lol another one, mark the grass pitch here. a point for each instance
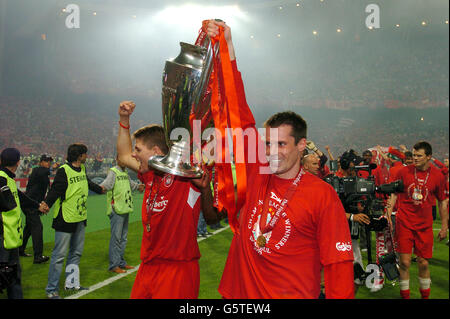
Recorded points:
(214, 250)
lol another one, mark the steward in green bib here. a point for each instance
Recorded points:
(119, 204)
(73, 207)
(11, 227)
(120, 196)
(69, 193)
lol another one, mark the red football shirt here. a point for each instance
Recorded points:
(312, 232)
(381, 174)
(324, 172)
(417, 214)
(171, 217)
(393, 171)
(339, 173)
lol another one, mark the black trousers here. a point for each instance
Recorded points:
(33, 228)
(10, 257)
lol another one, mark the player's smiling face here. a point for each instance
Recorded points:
(282, 152)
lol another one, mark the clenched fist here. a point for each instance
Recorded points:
(126, 108)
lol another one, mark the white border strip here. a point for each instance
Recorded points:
(120, 276)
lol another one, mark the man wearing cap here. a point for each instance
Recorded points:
(11, 231)
(37, 186)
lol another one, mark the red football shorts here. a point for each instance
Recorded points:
(167, 280)
(420, 240)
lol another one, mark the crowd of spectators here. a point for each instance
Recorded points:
(37, 126)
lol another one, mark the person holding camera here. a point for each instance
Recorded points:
(348, 161)
(11, 229)
(414, 219)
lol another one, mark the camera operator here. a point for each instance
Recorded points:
(348, 161)
(383, 238)
(414, 224)
(366, 160)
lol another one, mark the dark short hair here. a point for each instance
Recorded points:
(46, 158)
(152, 135)
(367, 152)
(349, 157)
(9, 157)
(422, 145)
(298, 124)
(75, 150)
(408, 154)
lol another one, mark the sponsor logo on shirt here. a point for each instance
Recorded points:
(160, 205)
(343, 246)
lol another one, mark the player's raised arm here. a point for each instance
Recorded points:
(124, 144)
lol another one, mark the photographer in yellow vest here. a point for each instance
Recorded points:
(69, 193)
(119, 204)
(11, 226)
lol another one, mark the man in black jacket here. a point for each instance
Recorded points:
(37, 186)
(69, 193)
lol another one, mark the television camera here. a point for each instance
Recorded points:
(362, 195)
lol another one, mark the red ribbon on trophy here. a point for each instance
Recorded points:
(225, 113)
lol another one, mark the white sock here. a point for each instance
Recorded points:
(404, 284)
(424, 283)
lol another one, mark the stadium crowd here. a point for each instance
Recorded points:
(342, 130)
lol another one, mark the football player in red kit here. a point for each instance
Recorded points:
(170, 212)
(414, 220)
(292, 224)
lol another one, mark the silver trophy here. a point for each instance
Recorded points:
(184, 98)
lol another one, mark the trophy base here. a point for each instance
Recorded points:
(164, 164)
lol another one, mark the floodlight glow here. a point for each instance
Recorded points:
(191, 15)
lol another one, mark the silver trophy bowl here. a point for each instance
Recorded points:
(184, 83)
